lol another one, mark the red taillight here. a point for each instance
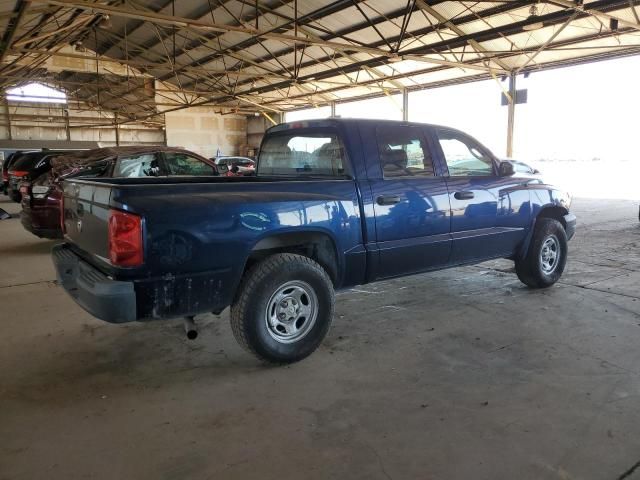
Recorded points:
(125, 239)
(18, 173)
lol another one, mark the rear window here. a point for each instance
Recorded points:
(26, 162)
(35, 160)
(300, 154)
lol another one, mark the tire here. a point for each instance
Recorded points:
(537, 269)
(283, 308)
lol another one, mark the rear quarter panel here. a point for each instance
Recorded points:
(207, 227)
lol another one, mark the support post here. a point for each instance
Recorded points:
(115, 120)
(333, 109)
(66, 124)
(512, 114)
(405, 105)
(164, 130)
(6, 107)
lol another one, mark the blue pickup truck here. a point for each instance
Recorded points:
(335, 203)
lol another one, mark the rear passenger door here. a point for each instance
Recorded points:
(411, 203)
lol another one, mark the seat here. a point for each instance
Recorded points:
(329, 157)
(394, 163)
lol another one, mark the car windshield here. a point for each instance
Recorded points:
(302, 154)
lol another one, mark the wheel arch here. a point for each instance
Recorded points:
(319, 245)
(555, 212)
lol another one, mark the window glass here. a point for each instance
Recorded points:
(183, 164)
(465, 157)
(522, 167)
(302, 154)
(403, 152)
(145, 165)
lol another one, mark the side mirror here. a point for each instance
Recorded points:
(506, 169)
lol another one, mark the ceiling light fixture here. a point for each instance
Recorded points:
(533, 15)
(105, 22)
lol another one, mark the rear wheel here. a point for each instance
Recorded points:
(545, 260)
(283, 309)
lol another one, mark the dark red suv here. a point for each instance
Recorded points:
(41, 197)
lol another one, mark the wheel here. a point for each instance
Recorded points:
(283, 308)
(547, 255)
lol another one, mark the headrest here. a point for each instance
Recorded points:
(394, 158)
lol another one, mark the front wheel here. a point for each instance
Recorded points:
(283, 309)
(545, 260)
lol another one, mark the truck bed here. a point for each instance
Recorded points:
(198, 231)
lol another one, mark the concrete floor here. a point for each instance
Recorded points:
(453, 375)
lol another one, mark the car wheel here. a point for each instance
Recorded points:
(545, 260)
(283, 308)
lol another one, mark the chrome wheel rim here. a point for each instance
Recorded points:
(550, 254)
(291, 312)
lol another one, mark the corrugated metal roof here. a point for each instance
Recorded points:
(295, 53)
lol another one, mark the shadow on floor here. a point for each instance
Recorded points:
(44, 246)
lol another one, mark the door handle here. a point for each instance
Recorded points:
(463, 195)
(388, 199)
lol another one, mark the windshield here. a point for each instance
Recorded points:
(302, 154)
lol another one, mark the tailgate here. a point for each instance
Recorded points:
(86, 216)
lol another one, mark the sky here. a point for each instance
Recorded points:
(582, 112)
(36, 92)
(580, 127)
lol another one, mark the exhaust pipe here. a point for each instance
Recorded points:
(190, 328)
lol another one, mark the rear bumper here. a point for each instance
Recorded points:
(116, 301)
(106, 299)
(570, 222)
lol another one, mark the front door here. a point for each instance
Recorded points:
(477, 194)
(411, 203)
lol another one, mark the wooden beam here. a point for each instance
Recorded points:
(12, 28)
(150, 65)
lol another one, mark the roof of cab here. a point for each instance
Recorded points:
(335, 121)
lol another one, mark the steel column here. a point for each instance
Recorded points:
(115, 121)
(512, 114)
(405, 105)
(66, 123)
(6, 106)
